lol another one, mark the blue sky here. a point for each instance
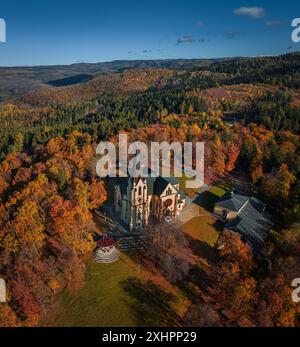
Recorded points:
(64, 32)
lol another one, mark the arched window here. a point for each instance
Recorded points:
(140, 190)
(169, 191)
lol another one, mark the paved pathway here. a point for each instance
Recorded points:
(191, 210)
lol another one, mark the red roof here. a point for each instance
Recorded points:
(105, 242)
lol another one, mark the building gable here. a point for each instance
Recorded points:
(169, 190)
(137, 199)
(162, 184)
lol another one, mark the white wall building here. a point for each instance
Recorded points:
(138, 199)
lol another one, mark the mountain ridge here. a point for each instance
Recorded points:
(17, 81)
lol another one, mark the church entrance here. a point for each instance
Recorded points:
(167, 208)
(168, 213)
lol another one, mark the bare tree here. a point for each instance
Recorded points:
(169, 250)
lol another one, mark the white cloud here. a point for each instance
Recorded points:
(274, 23)
(186, 39)
(253, 12)
(190, 39)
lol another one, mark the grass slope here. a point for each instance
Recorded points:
(101, 302)
(118, 295)
(121, 294)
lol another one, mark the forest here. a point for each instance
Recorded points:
(48, 185)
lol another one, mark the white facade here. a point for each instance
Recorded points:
(136, 200)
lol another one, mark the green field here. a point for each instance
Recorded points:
(202, 229)
(117, 294)
(218, 191)
(208, 198)
(182, 184)
(101, 302)
(120, 294)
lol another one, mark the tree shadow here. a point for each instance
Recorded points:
(190, 286)
(109, 184)
(218, 225)
(198, 283)
(206, 200)
(151, 306)
(204, 250)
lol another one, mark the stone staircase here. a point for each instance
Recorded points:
(131, 244)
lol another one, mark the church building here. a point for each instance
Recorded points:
(136, 200)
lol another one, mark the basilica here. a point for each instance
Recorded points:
(137, 200)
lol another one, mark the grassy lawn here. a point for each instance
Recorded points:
(208, 198)
(118, 294)
(202, 229)
(182, 184)
(101, 302)
(219, 191)
(121, 294)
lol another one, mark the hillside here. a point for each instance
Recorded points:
(121, 83)
(15, 81)
(250, 124)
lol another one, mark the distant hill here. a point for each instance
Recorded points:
(16, 81)
(109, 84)
(62, 82)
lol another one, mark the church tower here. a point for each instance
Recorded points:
(139, 203)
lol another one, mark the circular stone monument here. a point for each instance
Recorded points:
(106, 252)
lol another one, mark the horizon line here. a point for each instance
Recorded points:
(149, 60)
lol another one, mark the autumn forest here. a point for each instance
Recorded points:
(245, 110)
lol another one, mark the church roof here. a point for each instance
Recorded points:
(172, 180)
(232, 202)
(252, 222)
(155, 185)
(161, 184)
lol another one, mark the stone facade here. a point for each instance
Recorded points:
(138, 199)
